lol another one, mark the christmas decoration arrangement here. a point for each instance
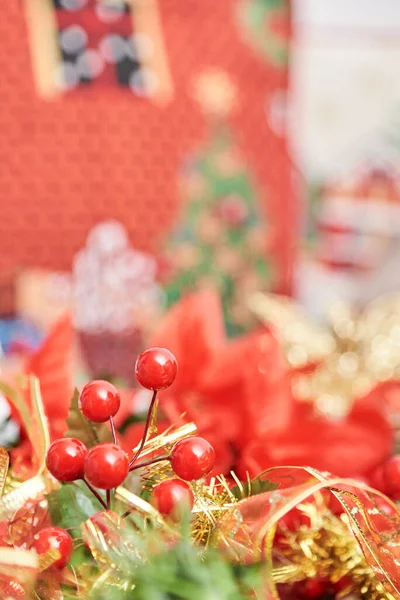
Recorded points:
(199, 503)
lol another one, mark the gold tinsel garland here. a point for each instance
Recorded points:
(356, 351)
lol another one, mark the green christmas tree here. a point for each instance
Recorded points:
(265, 24)
(221, 238)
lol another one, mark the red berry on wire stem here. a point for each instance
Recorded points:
(106, 466)
(99, 400)
(54, 538)
(171, 497)
(192, 458)
(65, 459)
(156, 368)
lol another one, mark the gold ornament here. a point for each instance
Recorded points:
(345, 361)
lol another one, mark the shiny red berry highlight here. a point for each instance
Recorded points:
(106, 466)
(54, 538)
(192, 458)
(156, 368)
(65, 459)
(99, 400)
(171, 497)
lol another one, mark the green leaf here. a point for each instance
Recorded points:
(253, 487)
(84, 430)
(71, 505)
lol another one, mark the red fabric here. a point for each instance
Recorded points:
(94, 154)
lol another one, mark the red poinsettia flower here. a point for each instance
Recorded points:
(351, 447)
(52, 364)
(239, 395)
(232, 389)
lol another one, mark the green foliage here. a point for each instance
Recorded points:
(181, 572)
(221, 174)
(146, 564)
(256, 19)
(79, 427)
(253, 487)
(71, 505)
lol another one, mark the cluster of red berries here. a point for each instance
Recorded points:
(106, 465)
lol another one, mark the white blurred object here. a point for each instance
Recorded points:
(317, 289)
(345, 102)
(343, 86)
(112, 284)
(9, 430)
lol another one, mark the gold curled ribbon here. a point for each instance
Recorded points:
(4, 463)
(139, 505)
(247, 527)
(35, 423)
(48, 558)
(32, 489)
(41, 423)
(33, 416)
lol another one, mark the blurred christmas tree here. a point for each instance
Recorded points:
(266, 26)
(221, 239)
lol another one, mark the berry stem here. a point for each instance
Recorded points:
(95, 493)
(108, 496)
(149, 462)
(146, 428)
(113, 431)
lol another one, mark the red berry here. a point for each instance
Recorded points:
(99, 400)
(192, 458)
(156, 368)
(54, 538)
(391, 476)
(172, 496)
(106, 466)
(65, 459)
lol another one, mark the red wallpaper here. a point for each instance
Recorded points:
(100, 152)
